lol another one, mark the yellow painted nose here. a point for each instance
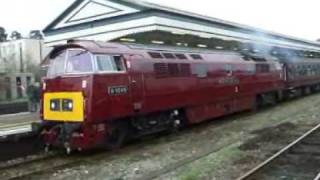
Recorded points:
(63, 106)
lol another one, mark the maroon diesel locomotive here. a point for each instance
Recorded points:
(99, 93)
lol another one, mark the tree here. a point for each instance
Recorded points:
(36, 34)
(3, 34)
(15, 35)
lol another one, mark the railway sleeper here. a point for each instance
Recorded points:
(307, 149)
(313, 142)
(297, 160)
(285, 174)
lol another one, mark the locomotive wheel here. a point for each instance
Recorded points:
(307, 90)
(256, 104)
(118, 136)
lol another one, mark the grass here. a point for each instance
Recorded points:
(207, 165)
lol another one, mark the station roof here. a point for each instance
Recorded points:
(107, 20)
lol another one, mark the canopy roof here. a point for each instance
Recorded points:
(108, 20)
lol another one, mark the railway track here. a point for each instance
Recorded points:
(60, 162)
(12, 149)
(300, 160)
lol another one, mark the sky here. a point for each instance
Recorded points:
(299, 18)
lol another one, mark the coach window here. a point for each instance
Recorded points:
(108, 63)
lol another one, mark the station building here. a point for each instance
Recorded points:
(141, 22)
(19, 66)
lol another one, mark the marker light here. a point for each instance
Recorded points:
(84, 84)
(44, 86)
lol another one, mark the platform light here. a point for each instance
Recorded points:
(202, 46)
(157, 42)
(128, 40)
(179, 44)
(219, 47)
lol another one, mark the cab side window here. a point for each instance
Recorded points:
(107, 63)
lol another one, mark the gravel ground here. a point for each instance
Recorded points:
(221, 149)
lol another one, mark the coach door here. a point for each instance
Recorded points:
(136, 85)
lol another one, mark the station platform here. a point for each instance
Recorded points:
(15, 124)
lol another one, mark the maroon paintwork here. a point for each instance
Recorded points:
(222, 91)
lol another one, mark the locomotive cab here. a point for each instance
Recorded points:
(79, 94)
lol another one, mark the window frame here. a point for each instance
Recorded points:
(110, 72)
(77, 73)
(53, 63)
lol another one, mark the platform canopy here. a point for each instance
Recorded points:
(137, 21)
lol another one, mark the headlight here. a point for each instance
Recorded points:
(55, 105)
(67, 105)
(70, 105)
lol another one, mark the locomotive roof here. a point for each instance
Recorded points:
(125, 48)
(99, 47)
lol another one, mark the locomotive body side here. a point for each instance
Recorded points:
(215, 86)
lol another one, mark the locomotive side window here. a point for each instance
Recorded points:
(107, 63)
(200, 70)
(228, 69)
(79, 61)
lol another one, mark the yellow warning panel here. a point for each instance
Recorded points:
(63, 106)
